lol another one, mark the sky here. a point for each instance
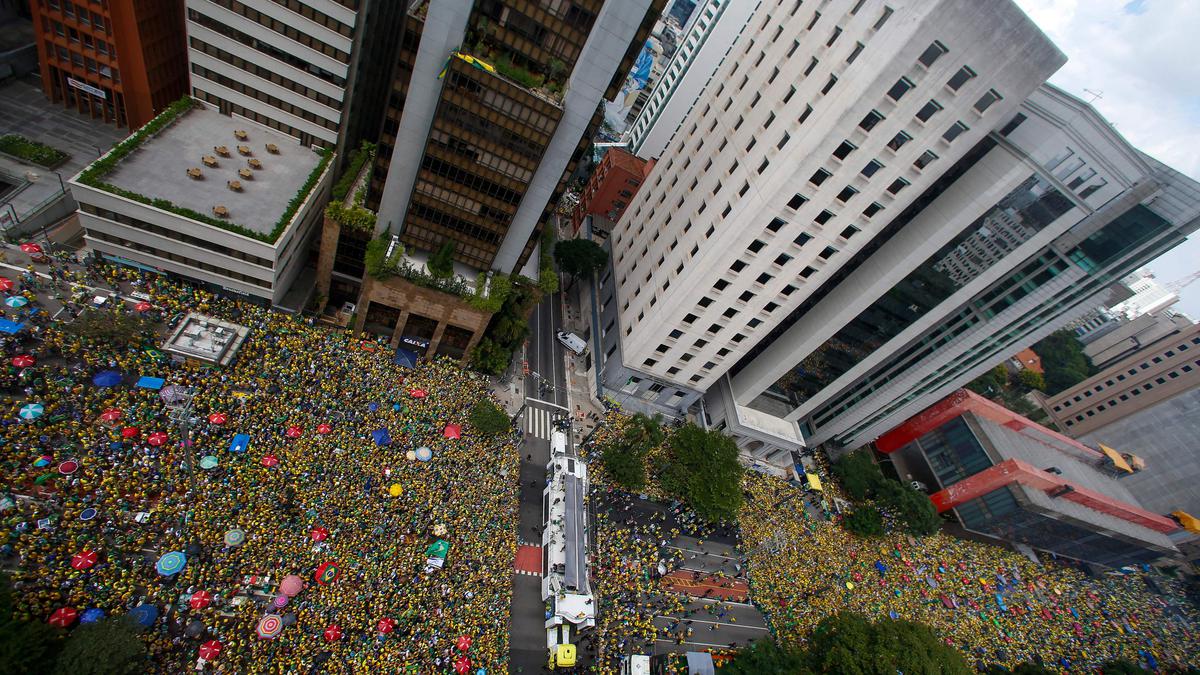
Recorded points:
(1140, 56)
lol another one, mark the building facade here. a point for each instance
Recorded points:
(1158, 371)
(1127, 337)
(1149, 296)
(614, 182)
(1008, 478)
(707, 38)
(122, 61)
(285, 65)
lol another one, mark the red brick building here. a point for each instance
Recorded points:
(612, 186)
(122, 61)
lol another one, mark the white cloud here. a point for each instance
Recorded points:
(1140, 54)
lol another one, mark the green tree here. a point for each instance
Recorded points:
(912, 508)
(849, 644)
(1021, 669)
(702, 470)
(580, 257)
(865, 521)
(642, 433)
(441, 263)
(488, 418)
(1031, 379)
(626, 468)
(1063, 360)
(765, 657)
(26, 647)
(858, 474)
(1121, 667)
(107, 647)
(489, 357)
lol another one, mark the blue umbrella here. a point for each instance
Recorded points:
(424, 454)
(91, 615)
(106, 378)
(171, 563)
(372, 406)
(144, 614)
(87, 514)
(32, 411)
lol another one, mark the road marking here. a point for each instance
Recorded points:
(539, 423)
(683, 621)
(716, 572)
(538, 400)
(724, 602)
(692, 550)
(698, 644)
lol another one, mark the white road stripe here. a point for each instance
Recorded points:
(698, 644)
(539, 423)
(538, 400)
(719, 623)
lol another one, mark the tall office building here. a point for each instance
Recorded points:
(492, 105)
(707, 38)
(863, 239)
(1149, 296)
(285, 65)
(122, 61)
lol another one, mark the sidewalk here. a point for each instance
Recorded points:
(586, 410)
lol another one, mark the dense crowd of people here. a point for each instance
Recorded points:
(357, 516)
(990, 603)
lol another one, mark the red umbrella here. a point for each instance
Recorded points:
(333, 633)
(131, 432)
(418, 393)
(319, 534)
(210, 650)
(452, 431)
(385, 625)
(111, 415)
(294, 432)
(217, 418)
(324, 428)
(84, 559)
(462, 665)
(156, 438)
(23, 360)
(200, 600)
(269, 461)
(6, 284)
(31, 248)
(64, 616)
(463, 643)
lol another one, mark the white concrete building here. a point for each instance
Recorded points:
(707, 38)
(819, 127)
(282, 64)
(1149, 296)
(147, 210)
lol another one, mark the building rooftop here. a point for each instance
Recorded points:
(158, 168)
(207, 339)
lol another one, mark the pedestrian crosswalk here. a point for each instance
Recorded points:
(539, 423)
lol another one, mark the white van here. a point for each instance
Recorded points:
(572, 341)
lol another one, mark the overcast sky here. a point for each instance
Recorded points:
(1141, 56)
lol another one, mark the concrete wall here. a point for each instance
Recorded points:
(447, 309)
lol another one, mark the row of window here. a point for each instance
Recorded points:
(265, 73)
(292, 33)
(273, 101)
(182, 260)
(78, 12)
(256, 44)
(176, 235)
(76, 37)
(1120, 377)
(305, 137)
(66, 56)
(321, 18)
(1135, 392)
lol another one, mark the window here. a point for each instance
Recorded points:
(670, 371)
(989, 97)
(804, 115)
(690, 319)
(819, 177)
(763, 167)
(745, 187)
(783, 141)
(750, 146)
(857, 6)
(1013, 124)
(790, 94)
(928, 110)
(823, 217)
(871, 210)
(705, 302)
(954, 132)
(752, 323)
(850, 231)
(837, 31)
(887, 14)
(737, 266)
(729, 313)
(960, 78)
(782, 259)
(720, 285)
(897, 185)
(872, 118)
(816, 17)
(661, 349)
(746, 296)
(925, 159)
(858, 47)
(844, 150)
(776, 224)
(827, 253)
(756, 246)
(899, 140)
(847, 193)
(715, 328)
(796, 202)
(774, 74)
(900, 88)
(770, 120)
(676, 334)
(725, 213)
(803, 239)
(754, 101)
(812, 65)
(807, 272)
(871, 168)
(700, 343)
(738, 124)
(932, 53)
(829, 85)
(649, 363)
(793, 48)
(770, 307)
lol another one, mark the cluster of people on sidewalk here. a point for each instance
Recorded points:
(335, 508)
(995, 606)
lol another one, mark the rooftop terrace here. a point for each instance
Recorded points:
(158, 169)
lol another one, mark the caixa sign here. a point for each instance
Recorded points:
(415, 342)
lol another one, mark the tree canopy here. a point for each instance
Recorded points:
(865, 521)
(488, 418)
(702, 470)
(26, 647)
(108, 647)
(624, 458)
(862, 480)
(766, 657)
(580, 257)
(850, 644)
(1063, 360)
(441, 263)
